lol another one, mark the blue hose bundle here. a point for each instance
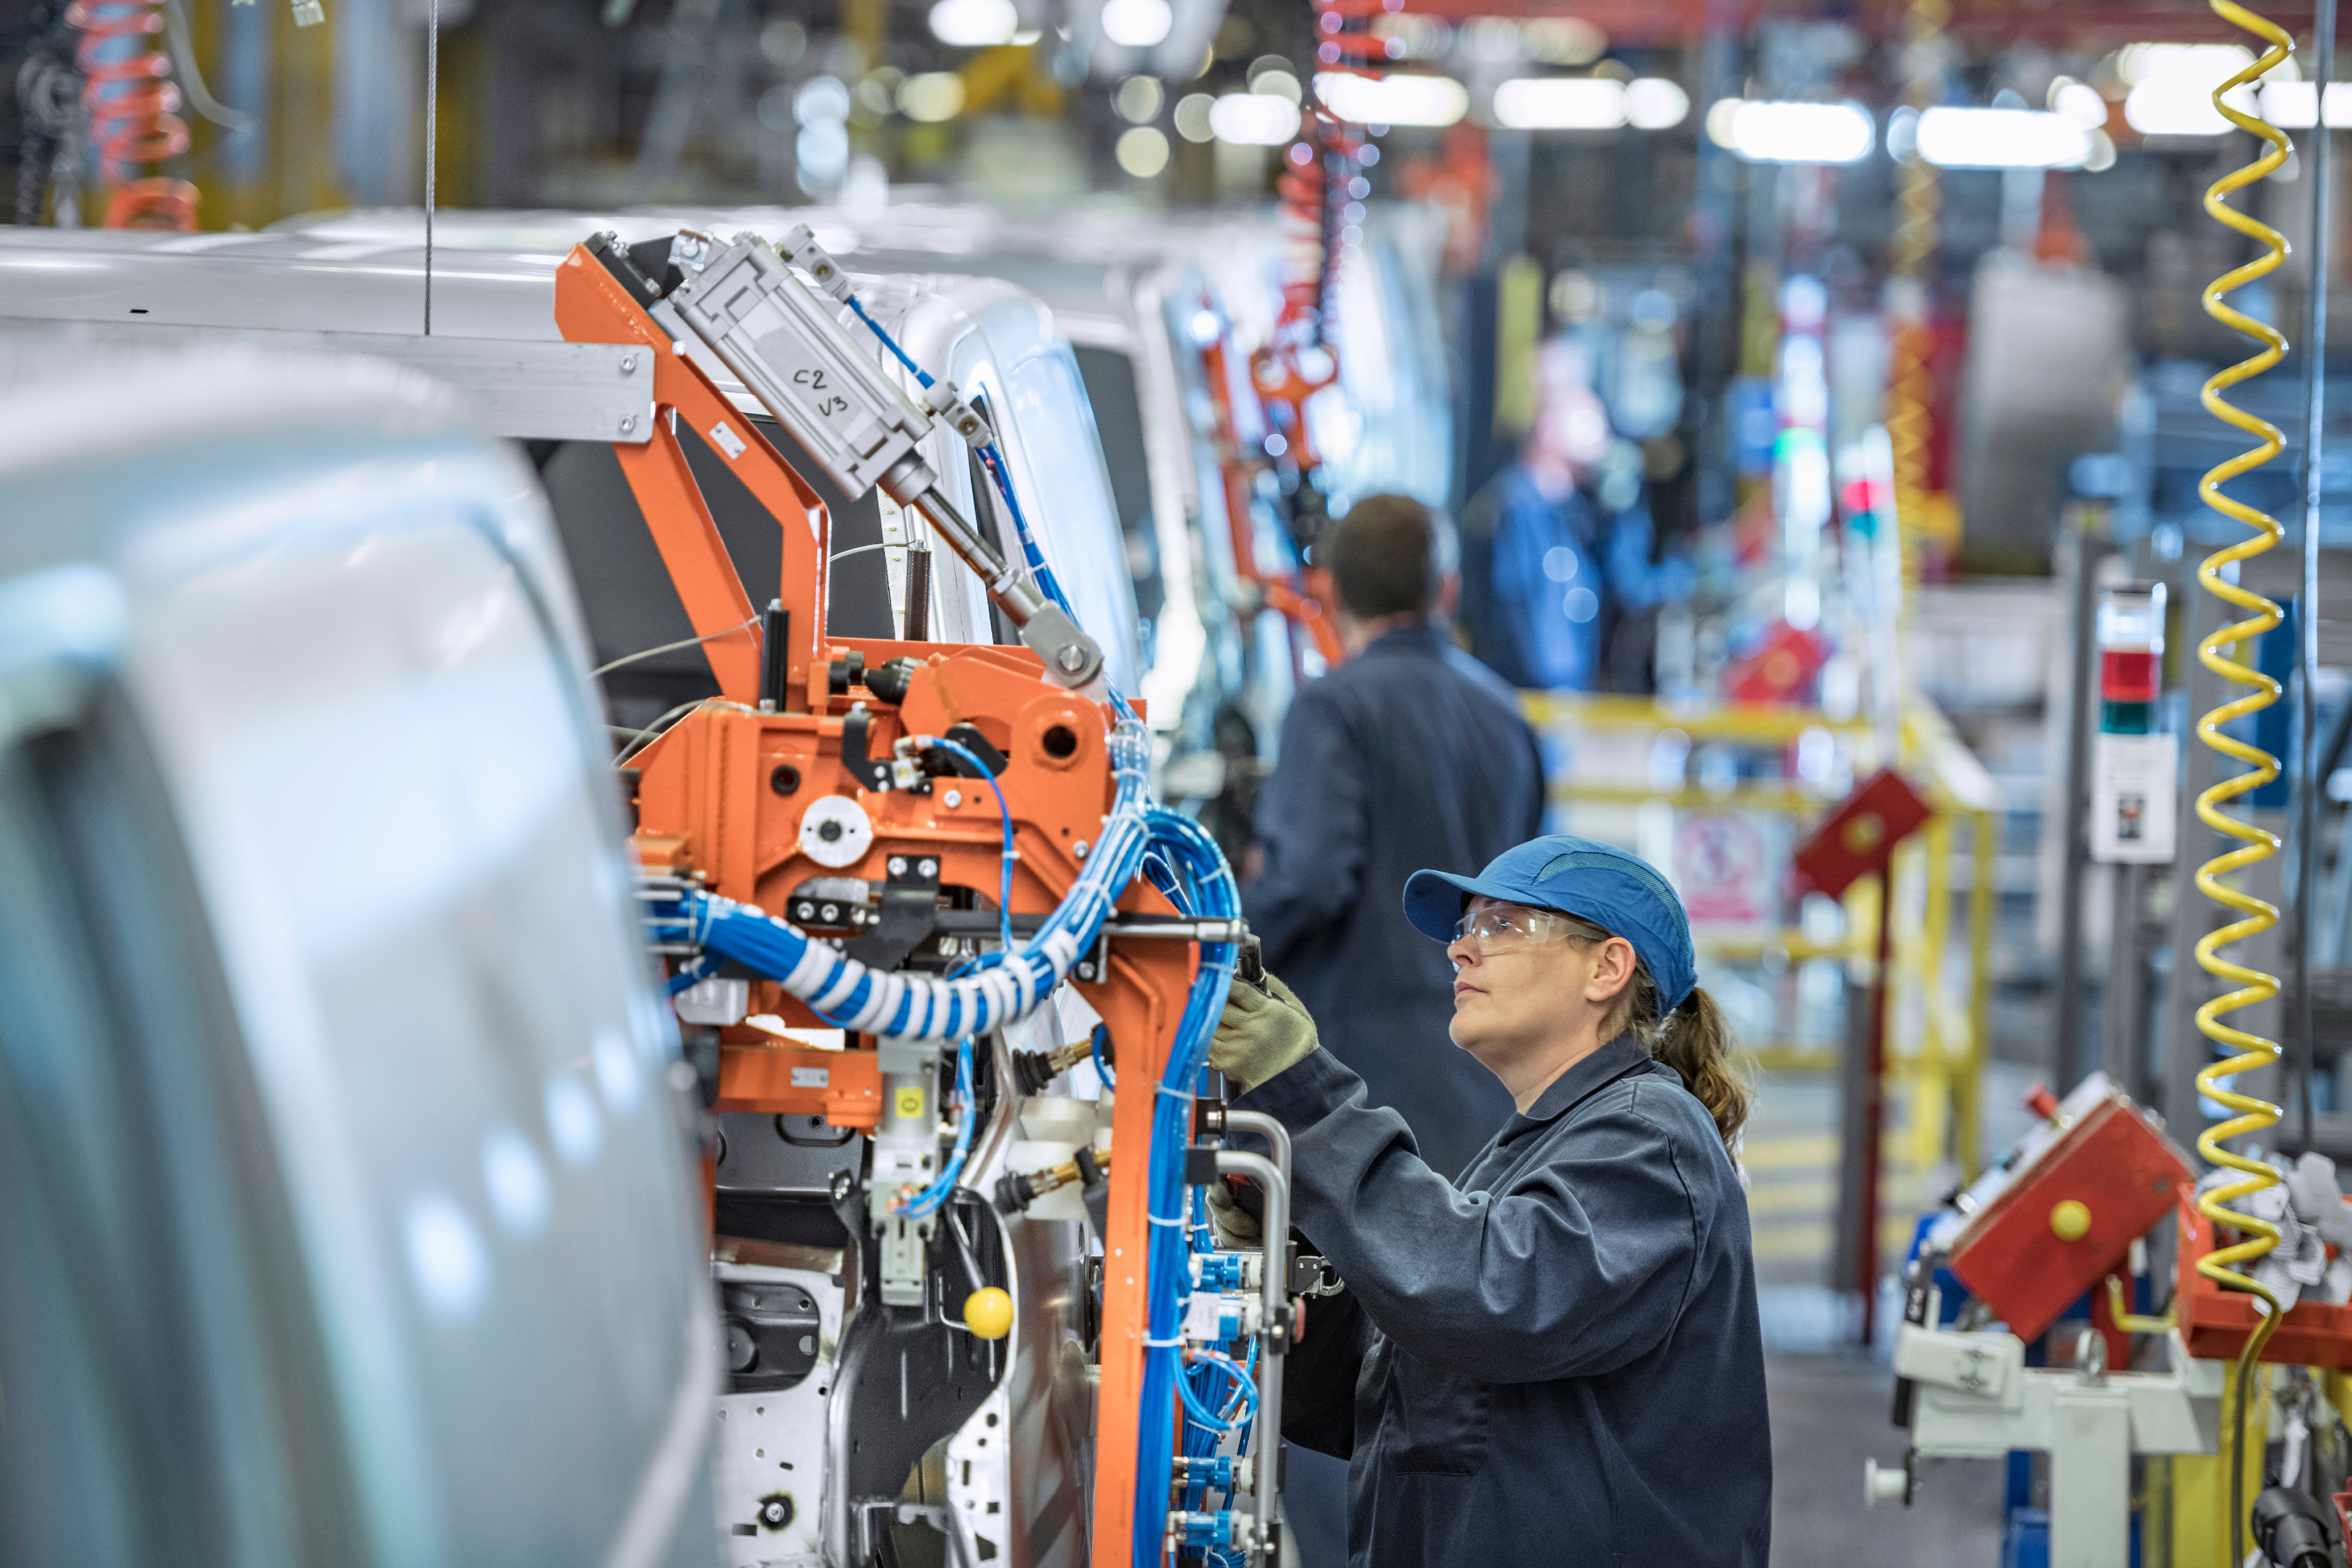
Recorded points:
(846, 993)
(1206, 890)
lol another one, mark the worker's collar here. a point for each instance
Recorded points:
(1612, 1061)
(1410, 637)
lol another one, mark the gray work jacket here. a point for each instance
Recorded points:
(1556, 1361)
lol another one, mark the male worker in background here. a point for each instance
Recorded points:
(1553, 566)
(1411, 753)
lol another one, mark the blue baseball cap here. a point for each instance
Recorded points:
(1620, 893)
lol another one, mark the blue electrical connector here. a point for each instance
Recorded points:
(1206, 1529)
(1217, 1271)
(1215, 1471)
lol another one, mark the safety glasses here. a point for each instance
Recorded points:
(1499, 928)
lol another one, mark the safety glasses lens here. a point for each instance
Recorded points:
(1490, 930)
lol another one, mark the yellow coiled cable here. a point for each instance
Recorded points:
(2255, 844)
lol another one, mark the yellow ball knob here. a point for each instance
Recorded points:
(988, 1312)
(2070, 1219)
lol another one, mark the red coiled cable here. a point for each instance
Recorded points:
(1321, 174)
(133, 104)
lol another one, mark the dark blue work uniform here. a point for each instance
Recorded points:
(1556, 1361)
(1411, 754)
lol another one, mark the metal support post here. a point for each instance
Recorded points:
(2069, 1055)
(1874, 1112)
(1967, 1136)
(1273, 1326)
(2126, 1024)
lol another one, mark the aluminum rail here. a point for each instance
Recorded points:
(1273, 1330)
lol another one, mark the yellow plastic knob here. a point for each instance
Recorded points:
(2070, 1219)
(988, 1312)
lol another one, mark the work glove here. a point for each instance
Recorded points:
(1261, 1034)
(1237, 1228)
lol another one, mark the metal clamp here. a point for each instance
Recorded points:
(944, 398)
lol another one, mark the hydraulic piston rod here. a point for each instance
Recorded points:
(792, 352)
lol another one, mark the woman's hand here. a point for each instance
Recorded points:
(1236, 1226)
(1262, 1033)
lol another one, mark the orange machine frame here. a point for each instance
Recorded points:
(1304, 610)
(710, 807)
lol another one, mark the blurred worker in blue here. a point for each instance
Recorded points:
(1550, 567)
(1554, 1357)
(1410, 753)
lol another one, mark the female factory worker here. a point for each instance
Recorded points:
(1553, 1358)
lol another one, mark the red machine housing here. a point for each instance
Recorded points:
(2215, 1322)
(2114, 1164)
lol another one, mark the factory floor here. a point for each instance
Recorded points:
(1830, 1413)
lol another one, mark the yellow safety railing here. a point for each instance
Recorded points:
(1938, 1026)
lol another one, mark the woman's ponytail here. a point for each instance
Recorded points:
(1695, 1041)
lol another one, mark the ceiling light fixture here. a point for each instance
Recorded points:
(1405, 98)
(1781, 133)
(1953, 138)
